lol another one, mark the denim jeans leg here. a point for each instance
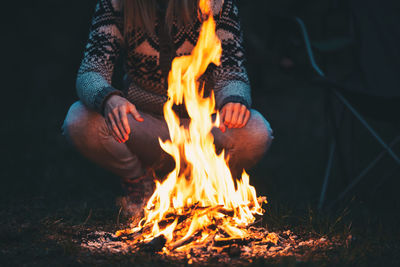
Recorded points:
(88, 132)
(245, 146)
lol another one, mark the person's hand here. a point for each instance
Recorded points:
(233, 115)
(115, 112)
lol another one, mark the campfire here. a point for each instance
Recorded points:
(199, 200)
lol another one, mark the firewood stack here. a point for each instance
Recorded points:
(261, 244)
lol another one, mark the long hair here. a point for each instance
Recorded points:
(142, 14)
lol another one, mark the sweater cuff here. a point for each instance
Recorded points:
(235, 99)
(103, 95)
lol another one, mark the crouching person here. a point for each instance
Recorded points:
(119, 129)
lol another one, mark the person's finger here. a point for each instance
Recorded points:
(135, 113)
(235, 115)
(228, 115)
(112, 131)
(116, 137)
(222, 126)
(110, 126)
(241, 117)
(118, 121)
(247, 117)
(114, 126)
(124, 120)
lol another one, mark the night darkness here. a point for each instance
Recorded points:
(47, 186)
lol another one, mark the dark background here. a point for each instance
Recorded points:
(42, 176)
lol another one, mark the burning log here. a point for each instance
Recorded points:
(155, 245)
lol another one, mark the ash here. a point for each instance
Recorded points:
(261, 244)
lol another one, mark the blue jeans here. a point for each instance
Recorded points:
(88, 132)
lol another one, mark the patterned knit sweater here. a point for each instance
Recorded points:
(144, 83)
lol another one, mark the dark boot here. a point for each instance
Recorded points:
(137, 192)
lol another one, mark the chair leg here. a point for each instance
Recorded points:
(346, 147)
(367, 126)
(327, 175)
(364, 172)
(339, 120)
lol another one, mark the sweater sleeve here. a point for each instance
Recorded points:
(231, 83)
(103, 47)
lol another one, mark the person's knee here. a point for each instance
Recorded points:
(71, 121)
(77, 122)
(255, 138)
(260, 131)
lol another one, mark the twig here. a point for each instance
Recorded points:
(183, 241)
(119, 214)
(88, 217)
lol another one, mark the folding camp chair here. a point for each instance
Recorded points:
(336, 87)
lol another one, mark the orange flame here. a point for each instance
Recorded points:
(203, 188)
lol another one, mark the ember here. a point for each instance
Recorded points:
(199, 203)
